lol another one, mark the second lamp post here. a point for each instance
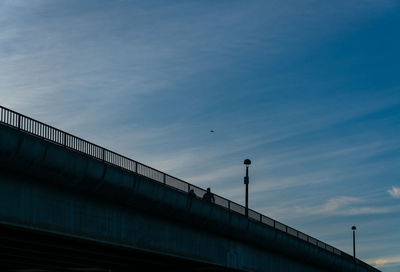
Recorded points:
(247, 162)
(354, 241)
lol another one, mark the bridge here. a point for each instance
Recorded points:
(71, 205)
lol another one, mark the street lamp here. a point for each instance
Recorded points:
(354, 241)
(247, 162)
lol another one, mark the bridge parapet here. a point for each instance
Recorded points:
(100, 167)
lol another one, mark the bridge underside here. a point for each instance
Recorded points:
(24, 250)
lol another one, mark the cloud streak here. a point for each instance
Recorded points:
(384, 261)
(394, 192)
(345, 206)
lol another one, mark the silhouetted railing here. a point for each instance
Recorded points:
(26, 124)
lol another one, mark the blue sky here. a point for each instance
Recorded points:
(309, 90)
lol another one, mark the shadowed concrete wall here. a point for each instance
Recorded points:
(47, 187)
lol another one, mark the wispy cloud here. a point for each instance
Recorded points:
(384, 261)
(344, 206)
(50, 60)
(394, 192)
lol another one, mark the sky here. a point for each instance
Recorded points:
(308, 90)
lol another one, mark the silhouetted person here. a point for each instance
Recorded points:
(208, 196)
(192, 194)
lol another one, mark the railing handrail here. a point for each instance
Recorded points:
(32, 126)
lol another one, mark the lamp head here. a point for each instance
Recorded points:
(353, 228)
(247, 162)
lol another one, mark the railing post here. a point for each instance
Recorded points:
(19, 121)
(65, 139)
(103, 155)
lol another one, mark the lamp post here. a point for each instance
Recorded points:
(247, 162)
(354, 241)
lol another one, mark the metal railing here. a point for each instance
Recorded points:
(37, 128)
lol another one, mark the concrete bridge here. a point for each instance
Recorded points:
(70, 205)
